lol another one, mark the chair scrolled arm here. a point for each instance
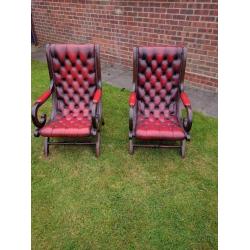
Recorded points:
(34, 112)
(132, 113)
(96, 109)
(187, 121)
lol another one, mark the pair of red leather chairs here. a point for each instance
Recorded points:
(76, 90)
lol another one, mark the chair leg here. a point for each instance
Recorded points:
(46, 146)
(97, 145)
(183, 148)
(131, 146)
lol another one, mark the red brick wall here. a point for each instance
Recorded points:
(119, 25)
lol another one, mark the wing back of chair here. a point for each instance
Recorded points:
(75, 73)
(158, 77)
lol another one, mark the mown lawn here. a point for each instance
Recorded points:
(151, 200)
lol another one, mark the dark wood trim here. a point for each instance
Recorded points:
(187, 121)
(49, 63)
(156, 146)
(135, 68)
(95, 122)
(133, 110)
(183, 67)
(98, 66)
(34, 115)
(70, 143)
(52, 87)
(131, 121)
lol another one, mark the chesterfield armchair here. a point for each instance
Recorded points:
(76, 90)
(155, 111)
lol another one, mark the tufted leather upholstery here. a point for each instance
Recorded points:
(157, 129)
(67, 126)
(73, 69)
(74, 76)
(158, 79)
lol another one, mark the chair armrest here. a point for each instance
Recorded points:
(132, 99)
(185, 100)
(44, 97)
(34, 112)
(187, 121)
(97, 96)
(96, 110)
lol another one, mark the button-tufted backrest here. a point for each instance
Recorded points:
(73, 69)
(159, 73)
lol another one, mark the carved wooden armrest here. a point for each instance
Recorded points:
(34, 113)
(187, 121)
(96, 109)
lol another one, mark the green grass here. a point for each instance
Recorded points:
(151, 200)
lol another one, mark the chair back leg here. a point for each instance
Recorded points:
(131, 146)
(46, 146)
(97, 145)
(183, 148)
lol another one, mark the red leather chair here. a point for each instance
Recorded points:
(155, 115)
(76, 90)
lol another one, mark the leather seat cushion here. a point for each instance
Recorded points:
(68, 126)
(151, 128)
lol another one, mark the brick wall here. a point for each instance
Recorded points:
(119, 25)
